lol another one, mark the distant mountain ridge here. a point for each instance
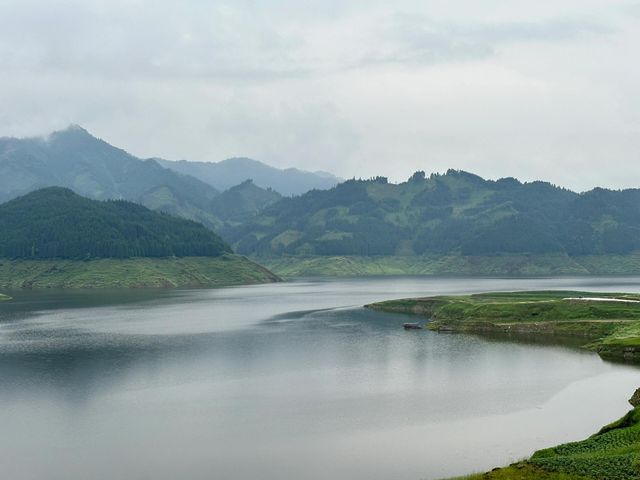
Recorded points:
(75, 159)
(233, 171)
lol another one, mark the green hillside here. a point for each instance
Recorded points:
(242, 203)
(168, 272)
(54, 238)
(505, 264)
(457, 214)
(56, 223)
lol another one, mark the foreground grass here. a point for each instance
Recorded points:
(522, 471)
(526, 265)
(133, 273)
(610, 328)
(611, 454)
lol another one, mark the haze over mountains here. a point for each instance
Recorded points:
(457, 213)
(228, 173)
(93, 168)
(75, 159)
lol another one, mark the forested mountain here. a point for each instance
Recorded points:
(455, 213)
(233, 171)
(75, 159)
(55, 222)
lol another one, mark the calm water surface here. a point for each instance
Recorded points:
(287, 381)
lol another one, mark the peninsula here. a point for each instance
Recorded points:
(608, 323)
(54, 238)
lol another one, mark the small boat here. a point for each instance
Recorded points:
(412, 326)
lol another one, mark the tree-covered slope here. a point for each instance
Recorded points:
(243, 202)
(55, 222)
(75, 159)
(457, 213)
(233, 171)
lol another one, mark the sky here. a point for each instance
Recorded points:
(535, 90)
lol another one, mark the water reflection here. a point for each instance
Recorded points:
(283, 381)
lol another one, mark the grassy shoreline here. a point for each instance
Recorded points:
(225, 270)
(606, 325)
(509, 265)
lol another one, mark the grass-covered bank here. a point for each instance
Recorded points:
(608, 323)
(133, 273)
(611, 454)
(523, 265)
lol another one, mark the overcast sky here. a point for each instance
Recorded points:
(536, 90)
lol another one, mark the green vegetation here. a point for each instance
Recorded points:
(4, 297)
(611, 454)
(135, 272)
(609, 323)
(242, 202)
(513, 264)
(456, 223)
(457, 214)
(56, 223)
(53, 238)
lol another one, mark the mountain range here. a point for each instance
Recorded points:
(454, 213)
(91, 167)
(228, 173)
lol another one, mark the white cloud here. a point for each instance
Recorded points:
(528, 89)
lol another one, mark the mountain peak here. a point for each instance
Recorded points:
(74, 127)
(72, 131)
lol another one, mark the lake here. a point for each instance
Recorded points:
(284, 381)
